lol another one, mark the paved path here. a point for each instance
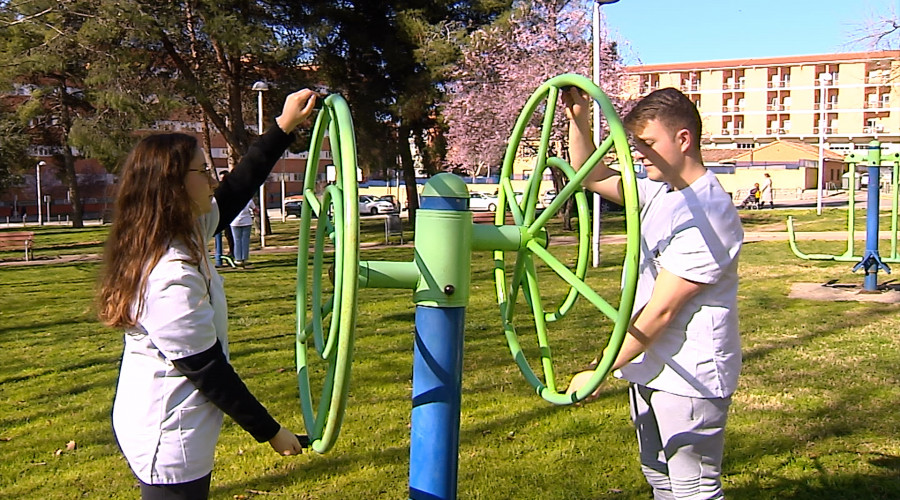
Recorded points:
(749, 237)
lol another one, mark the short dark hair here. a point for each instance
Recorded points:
(670, 107)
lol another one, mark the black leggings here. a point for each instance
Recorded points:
(198, 489)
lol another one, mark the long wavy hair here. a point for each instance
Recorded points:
(152, 209)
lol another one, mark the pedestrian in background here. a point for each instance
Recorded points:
(240, 228)
(766, 192)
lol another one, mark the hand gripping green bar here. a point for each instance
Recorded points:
(337, 220)
(524, 214)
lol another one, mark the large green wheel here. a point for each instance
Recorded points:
(522, 274)
(328, 319)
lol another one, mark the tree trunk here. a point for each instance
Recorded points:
(71, 178)
(409, 173)
(207, 142)
(566, 212)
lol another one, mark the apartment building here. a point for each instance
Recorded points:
(843, 100)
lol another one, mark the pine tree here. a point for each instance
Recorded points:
(389, 59)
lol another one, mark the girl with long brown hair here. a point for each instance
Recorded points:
(158, 284)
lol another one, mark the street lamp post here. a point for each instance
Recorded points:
(39, 198)
(283, 215)
(595, 23)
(261, 87)
(824, 79)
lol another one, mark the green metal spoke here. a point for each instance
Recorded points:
(573, 280)
(540, 325)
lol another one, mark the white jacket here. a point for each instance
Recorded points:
(166, 428)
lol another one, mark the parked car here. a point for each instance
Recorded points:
(370, 205)
(482, 201)
(548, 197)
(392, 200)
(293, 204)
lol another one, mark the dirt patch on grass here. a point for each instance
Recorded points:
(833, 291)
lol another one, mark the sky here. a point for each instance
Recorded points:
(667, 31)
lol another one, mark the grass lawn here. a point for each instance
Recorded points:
(815, 415)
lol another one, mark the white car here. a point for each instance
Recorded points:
(548, 197)
(369, 205)
(482, 201)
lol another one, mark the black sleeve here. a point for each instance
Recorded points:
(239, 186)
(216, 379)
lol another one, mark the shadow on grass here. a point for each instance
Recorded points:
(835, 325)
(832, 487)
(387, 459)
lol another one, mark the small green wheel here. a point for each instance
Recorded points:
(524, 213)
(337, 220)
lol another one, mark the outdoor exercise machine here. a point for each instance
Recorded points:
(439, 276)
(870, 261)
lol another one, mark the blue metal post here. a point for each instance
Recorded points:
(871, 260)
(443, 258)
(437, 386)
(870, 283)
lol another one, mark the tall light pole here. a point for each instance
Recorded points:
(261, 87)
(595, 22)
(38, 182)
(283, 215)
(824, 79)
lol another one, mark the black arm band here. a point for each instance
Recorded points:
(239, 186)
(216, 379)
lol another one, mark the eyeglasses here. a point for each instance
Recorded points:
(206, 170)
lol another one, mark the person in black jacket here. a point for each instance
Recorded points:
(158, 284)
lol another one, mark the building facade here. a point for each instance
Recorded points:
(841, 100)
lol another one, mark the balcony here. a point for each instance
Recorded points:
(828, 130)
(877, 104)
(877, 129)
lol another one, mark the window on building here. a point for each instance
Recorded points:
(871, 101)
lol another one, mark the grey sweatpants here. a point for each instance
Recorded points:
(681, 441)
